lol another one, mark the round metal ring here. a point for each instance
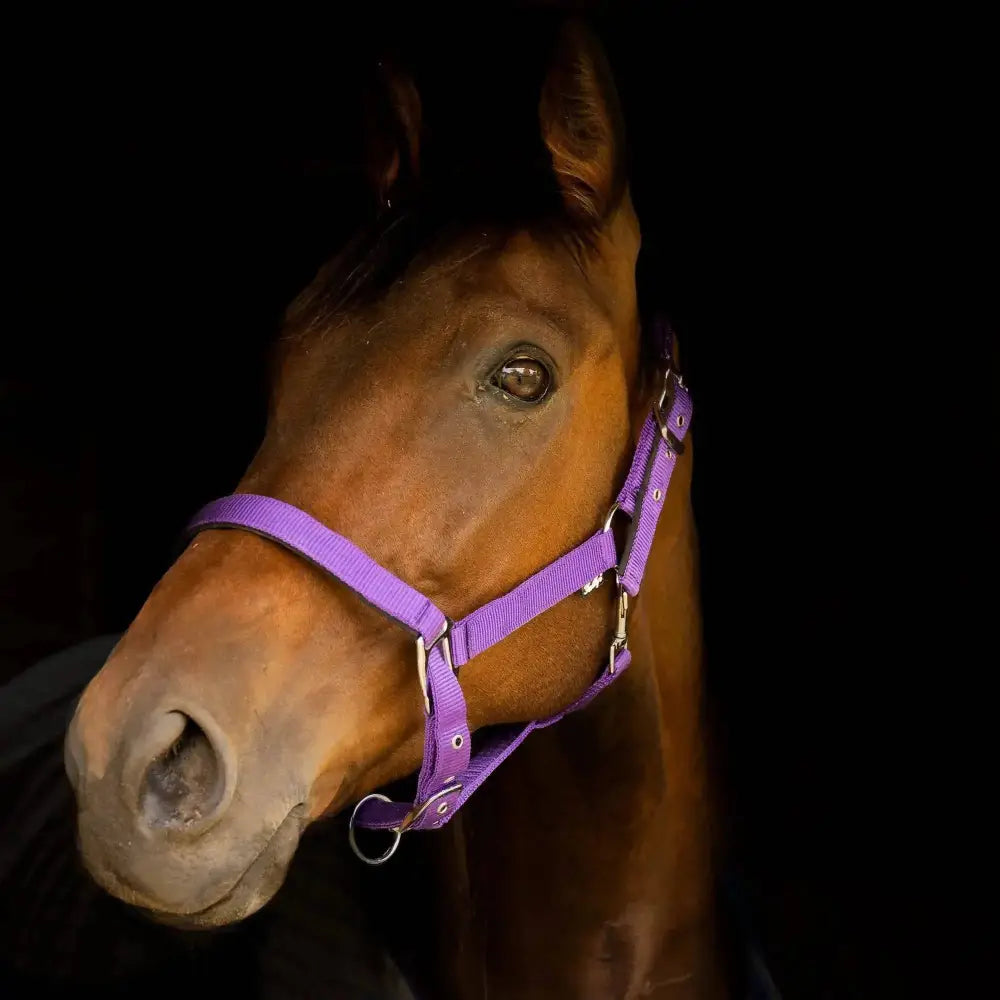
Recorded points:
(354, 844)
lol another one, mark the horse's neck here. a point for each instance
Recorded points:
(588, 852)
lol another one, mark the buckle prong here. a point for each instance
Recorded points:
(418, 810)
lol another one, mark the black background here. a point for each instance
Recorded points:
(172, 186)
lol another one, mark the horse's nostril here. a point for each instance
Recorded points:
(184, 784)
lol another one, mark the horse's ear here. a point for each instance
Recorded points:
(582, 126)
(392, 133)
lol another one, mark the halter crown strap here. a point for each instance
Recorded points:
(449, 774)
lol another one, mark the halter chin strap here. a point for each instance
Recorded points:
(449, 773)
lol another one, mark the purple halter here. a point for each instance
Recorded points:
(449, 773)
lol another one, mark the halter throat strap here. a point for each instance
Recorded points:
(450, 773)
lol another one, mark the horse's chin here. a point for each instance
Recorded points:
(255, 887)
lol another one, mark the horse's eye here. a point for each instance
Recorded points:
(523, 378)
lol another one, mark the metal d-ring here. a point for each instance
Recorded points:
(592, 585)
(354, 844)
(423, 651)
(615, 507)
(422, 672)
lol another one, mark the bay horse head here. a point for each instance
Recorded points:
(458, 394)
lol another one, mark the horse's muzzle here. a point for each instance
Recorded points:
(159, 828)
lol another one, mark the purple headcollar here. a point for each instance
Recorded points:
(450, 773)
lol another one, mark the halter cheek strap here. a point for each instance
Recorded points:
(450, 773)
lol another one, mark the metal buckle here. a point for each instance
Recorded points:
(620, 640)
(398, 831)
(662, 407)
(411, 817)
(424, 651)
(417, 811)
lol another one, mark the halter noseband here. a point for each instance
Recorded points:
(450, 773)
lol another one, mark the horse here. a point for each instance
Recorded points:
(459, 393)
